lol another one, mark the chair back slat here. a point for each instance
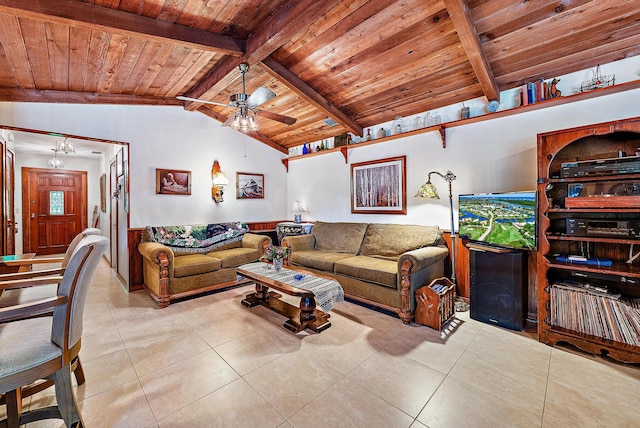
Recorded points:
(67, 318)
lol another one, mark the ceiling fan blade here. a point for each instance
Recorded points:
(215, 103)
(259, 96)
(275, 116)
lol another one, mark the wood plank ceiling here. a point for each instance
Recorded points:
(358, 62)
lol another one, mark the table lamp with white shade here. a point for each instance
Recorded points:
(298, 208)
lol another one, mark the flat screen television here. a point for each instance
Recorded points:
(500, 219)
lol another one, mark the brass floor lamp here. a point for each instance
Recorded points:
(428, 190)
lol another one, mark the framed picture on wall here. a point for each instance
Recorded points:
(379, 187)
(173, 182)
(119, 163)
(103, 193)
(249, 185)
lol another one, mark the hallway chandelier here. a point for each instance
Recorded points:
(65, 146)
(54, 162)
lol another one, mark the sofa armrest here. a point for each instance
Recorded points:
(151, 250)
(300, 242)
(416, 268)
(423, 257)
(253, 240)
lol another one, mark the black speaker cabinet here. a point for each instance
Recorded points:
(498, 287)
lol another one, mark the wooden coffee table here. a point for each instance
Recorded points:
(304, 316)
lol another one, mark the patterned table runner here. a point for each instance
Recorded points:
(327, 291)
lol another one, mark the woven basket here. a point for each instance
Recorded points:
(599, 81)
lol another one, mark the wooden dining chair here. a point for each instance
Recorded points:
(35, 348)
(17, 288)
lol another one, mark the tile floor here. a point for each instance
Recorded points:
(210, 362)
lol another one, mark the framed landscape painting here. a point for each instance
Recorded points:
(249, 185)
(173, 182)
(379, 187)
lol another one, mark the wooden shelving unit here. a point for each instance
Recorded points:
(442, 128)
(569, 311)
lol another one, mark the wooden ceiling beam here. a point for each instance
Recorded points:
(278, 29)
(78, 14)
(461, 18)
(297, 85)
(69, 97)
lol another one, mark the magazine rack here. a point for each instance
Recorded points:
(436, 303)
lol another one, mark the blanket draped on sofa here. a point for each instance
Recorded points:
(199, 238)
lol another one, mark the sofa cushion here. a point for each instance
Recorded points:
(194, 264)
(391, 240)
(233, 257)
(339, 237)
(370, 269)
(317, 259)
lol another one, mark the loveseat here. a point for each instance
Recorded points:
(181, 261)
(379, 264)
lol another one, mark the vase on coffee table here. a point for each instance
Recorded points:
(277, 264)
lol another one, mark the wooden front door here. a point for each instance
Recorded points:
(54, 207)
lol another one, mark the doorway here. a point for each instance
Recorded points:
(33, 147)
(54, 209)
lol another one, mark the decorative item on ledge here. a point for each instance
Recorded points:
(599, 81)
(341, 140)
(433, 123)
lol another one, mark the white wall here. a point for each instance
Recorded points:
(162, 137)
(169, 137)
(491, 156)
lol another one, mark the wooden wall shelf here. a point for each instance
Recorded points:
(635, 84)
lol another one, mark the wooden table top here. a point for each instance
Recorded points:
(16, 259)
(272, 283)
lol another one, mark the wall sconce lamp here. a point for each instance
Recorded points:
(298, 208)
(218, 181)
(428, 190)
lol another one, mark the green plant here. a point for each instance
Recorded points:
(275, 252)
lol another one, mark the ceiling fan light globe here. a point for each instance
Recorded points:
(253, 126)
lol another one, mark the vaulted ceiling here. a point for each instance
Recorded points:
(358, 62)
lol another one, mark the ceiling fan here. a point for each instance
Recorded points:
(242, 119)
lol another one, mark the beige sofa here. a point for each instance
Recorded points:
(379, 264)
(181, 261)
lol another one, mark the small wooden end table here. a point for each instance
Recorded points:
(16, 263)
(304, 316)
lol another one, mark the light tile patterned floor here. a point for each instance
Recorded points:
(211, 362)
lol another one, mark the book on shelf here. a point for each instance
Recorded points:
(534, 92)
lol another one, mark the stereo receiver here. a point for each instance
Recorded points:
(612, 166)
(603, 227)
